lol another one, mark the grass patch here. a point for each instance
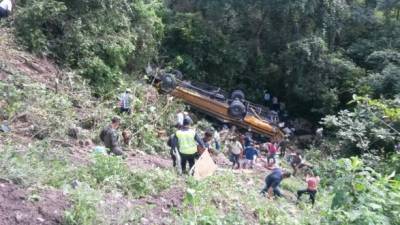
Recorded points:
(229, 198)
(103, 176)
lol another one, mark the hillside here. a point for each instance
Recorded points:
(64, 64)
(41, 158)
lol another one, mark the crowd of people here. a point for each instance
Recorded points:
(186, 146)
(242, 151)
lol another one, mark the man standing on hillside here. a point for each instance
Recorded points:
(109, 137)
(235, 149)
(125, 101)
(272, 182)
(186, 141)
(6, 7)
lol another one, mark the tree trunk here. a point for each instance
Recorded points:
(258, 34)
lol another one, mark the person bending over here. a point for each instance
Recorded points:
(272, 182)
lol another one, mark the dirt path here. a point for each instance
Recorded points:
(18, 207)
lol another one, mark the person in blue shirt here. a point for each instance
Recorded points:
(273, 180)
(251, 154)
(248, 139)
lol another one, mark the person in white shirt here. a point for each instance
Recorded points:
(236, 150)
(179, 118)
(267, 98)
(6, 7)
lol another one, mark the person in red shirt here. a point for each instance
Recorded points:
(312, 185)
(273, 148)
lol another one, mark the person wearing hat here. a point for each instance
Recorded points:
(6, 7)
(186, 141)
(109, 137)
(125, 101)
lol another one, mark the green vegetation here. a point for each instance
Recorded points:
(54, 168)
(314, 55)
(335, 63)
(99, 38)
(86, 184)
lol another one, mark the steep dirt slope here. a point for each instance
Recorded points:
(20, 207)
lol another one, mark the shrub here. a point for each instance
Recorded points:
(362, 196)
(101, 38)
(84, 211)
(36, 165)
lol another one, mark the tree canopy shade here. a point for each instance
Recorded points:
(311, 54)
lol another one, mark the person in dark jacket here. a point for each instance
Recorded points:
(273, 180)
(109, 137)
(171, 150)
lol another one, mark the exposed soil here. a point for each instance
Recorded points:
(41, 70)
(161, 206)
(16, 207)
(145, 161)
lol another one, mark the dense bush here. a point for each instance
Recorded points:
(361, 195)
(371, 127)
(311, 54)
(101, 38)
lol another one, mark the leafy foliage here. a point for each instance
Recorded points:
(372, 126)
(311, 54)
(101, 38)
(362, 196)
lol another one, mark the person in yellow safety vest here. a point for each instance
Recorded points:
(186, 141)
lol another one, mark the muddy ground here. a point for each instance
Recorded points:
(22, 207)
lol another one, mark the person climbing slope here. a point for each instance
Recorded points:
(6, 7)
(272, 182)
(186, 141)
(312, 185)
